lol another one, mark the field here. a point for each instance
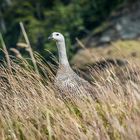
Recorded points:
(30, 109)
(103, 47)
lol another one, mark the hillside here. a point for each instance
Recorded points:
(117, 38)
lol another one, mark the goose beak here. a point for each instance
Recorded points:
(50, 37)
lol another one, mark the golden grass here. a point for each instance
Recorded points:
(121, 49)
(30, 109)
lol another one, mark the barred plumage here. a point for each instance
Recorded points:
(67, 82)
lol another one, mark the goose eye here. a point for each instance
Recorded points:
(57, 34)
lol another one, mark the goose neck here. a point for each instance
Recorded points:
(63, 60)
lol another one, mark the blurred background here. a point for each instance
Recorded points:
(93, 28)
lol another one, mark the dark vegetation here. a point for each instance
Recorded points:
(74, 18)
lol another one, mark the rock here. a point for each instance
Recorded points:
(124, 24)
(105, 39)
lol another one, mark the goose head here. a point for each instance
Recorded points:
(56, 36)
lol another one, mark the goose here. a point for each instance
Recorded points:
(67, 82)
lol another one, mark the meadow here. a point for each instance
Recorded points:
(31, 110)
(30, 106)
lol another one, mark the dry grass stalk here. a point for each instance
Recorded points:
(29, 47)
(30, 110)
(22, 45)
(5, 52)
(80, 43)
(16, 52)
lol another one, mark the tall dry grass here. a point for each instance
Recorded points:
(30, 109)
